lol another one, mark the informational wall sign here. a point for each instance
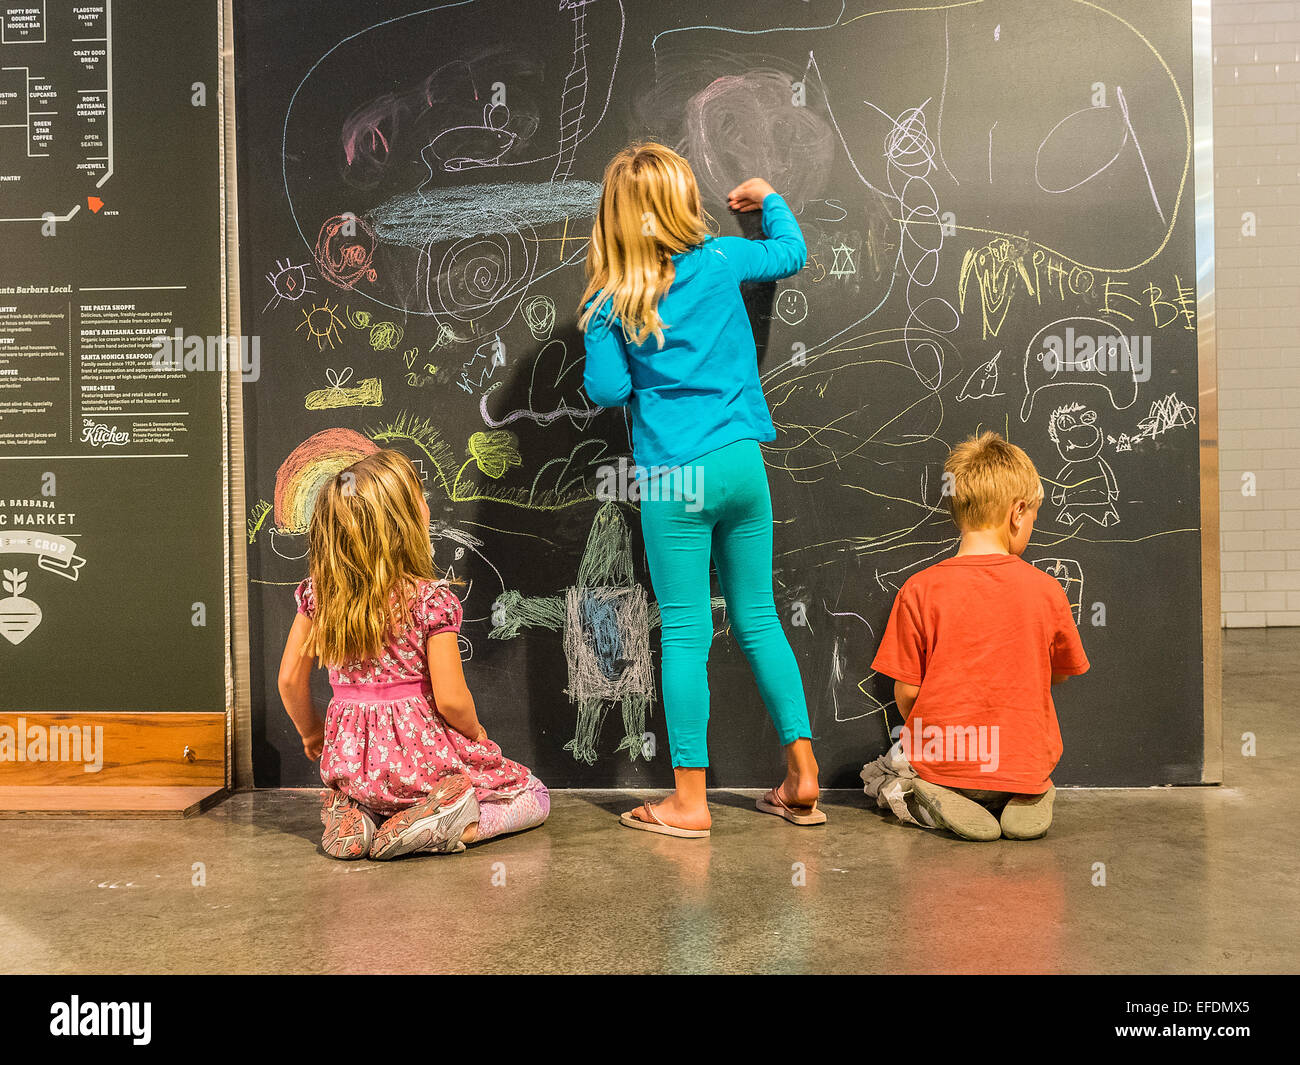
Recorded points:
(111, 357)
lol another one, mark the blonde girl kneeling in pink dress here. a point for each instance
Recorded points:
(407, 766)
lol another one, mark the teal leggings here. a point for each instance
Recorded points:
(719, 507)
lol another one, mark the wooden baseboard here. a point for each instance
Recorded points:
(107, 802)
(98, 750)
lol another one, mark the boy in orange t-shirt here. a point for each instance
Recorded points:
(974, 644)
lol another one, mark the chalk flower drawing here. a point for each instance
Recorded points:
(494, 453)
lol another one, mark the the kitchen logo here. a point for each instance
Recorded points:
(97, 434)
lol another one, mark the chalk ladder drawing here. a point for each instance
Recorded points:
(19, 616)
(573, 100)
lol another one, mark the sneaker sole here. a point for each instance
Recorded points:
(962, 823)
(348, 833)
(1037, 819)
(427, 825)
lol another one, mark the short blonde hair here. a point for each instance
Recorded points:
(984, 476)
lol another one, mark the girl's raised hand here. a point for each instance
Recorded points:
(749, 196)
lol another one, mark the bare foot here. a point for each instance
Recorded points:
(798, 793)
(672, 811)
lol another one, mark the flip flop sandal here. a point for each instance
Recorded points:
(772, 803)
(658, 826)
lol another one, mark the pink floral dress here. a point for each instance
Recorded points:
(386, 746)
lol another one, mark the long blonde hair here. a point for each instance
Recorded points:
(649, 211)
(369, 544)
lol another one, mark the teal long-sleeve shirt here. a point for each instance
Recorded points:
(700, 391)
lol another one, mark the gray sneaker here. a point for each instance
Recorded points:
(959, 815)
(1028, 816)
(433, 826)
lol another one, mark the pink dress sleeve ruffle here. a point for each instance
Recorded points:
(437, 609)
(305, 597)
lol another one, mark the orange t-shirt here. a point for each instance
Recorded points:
(981, 635)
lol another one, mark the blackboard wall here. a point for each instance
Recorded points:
(972, 179)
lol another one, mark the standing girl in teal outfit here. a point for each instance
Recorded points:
(667, 335)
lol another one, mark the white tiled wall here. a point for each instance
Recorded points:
(1257, 169)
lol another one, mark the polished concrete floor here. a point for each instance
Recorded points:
(1197, 880)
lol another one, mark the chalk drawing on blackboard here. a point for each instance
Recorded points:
(494, 453)
(383, 336)
(257, 515)
(481, 580)
(539, 316)
(554, 392)
(1069, 573)
(314, 462)
(467, 147)
(843, 264)
(982, 382)
(289, 282)
(605, 619)
(864, 435)
(1085, 486)
(1165, 414)
(559, 483)
(323, 325)
(345, 251)
(910, 154)
(791, 306)
(573, 99)
(1064, 354)
(943, 97)
(482, 364)
(753, 123)
(1122, 124)
(447, 336)
(367, 392)
(843, 651)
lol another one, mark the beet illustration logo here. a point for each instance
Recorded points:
(19, 616)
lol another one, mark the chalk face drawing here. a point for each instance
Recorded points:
(1045, 369)
(1085, 486)
(976, 202)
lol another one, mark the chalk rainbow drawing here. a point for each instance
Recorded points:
(313, 462)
